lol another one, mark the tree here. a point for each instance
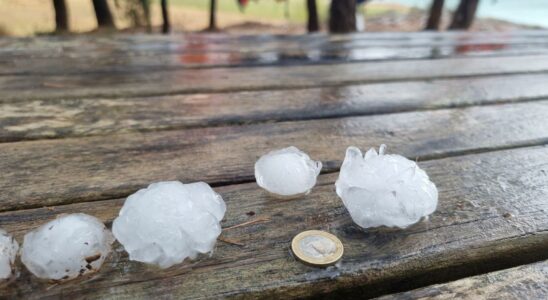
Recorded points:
(61, 15)
(342, 16)
(464, 15)
(436, 10)
(102, 13)
(212, 17)
(313, 23)
(165, 17)
(146, 11)
(136, 11)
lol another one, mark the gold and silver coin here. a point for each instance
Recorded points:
(317, 248)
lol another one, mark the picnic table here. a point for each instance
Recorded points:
(87, 120)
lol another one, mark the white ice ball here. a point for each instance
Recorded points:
(287, 172)
(384, 190)
(8, 251)
(69, 246)
(169, 221)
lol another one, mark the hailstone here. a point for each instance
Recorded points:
(69, 246)
(287, 172)
(169, 221)
(384, 189)
(8, 251)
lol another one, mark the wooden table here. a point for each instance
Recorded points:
(86, 120)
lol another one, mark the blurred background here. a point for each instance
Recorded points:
(38, 17)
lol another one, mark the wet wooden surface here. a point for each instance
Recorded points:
(113, 165)
(86, 121)
(82, 85)
(524, 282)
(491, 214)
(172, 56)
(131, 54)
(39, 119)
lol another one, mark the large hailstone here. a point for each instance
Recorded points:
(8, 251)
(69, 246)
(170, 221)
(384, 190)
(287, 172)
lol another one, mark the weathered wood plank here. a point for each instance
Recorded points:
(50, 172)
(523, 282)
(434, 34)
(147, 62)
(80, 45)
(230, 79)
(37, 119)
(491, 215)
(243, 38)
(75, 48)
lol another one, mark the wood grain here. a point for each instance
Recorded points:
(122, 55)
(471, 107)
(230, 79)
(176, 57)
(58, 46)
(57, 118)
(523, 282)
(491, 215)
(51, 172)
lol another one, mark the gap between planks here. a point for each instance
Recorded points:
(524, 282)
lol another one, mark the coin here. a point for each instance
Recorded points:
(317, 248)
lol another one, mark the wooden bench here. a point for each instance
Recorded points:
(86, 121)
(523, 282)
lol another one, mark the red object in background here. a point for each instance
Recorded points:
(480, 47)
(467, 45)
(242, 3)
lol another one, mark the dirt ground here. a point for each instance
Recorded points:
(414, 20)
(32, 17)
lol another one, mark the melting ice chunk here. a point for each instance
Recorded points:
(8, 251)
(66, 247)
(169, 221)
(287, 172)
(384, 190)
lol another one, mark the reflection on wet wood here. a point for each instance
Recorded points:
(127, 53)
(51, 172)
(492, 210)
(231, 79)
(147, 62)
(38, 119)
(523, 282)
(56, 46)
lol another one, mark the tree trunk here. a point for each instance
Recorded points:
(166, 27)
(342, 16)
(102, 13)
(464, 15)
(61, 15)
(212, 17)
(436, 10)
(313, 23)
(146, 10)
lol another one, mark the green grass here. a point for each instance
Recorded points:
(270, 9)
